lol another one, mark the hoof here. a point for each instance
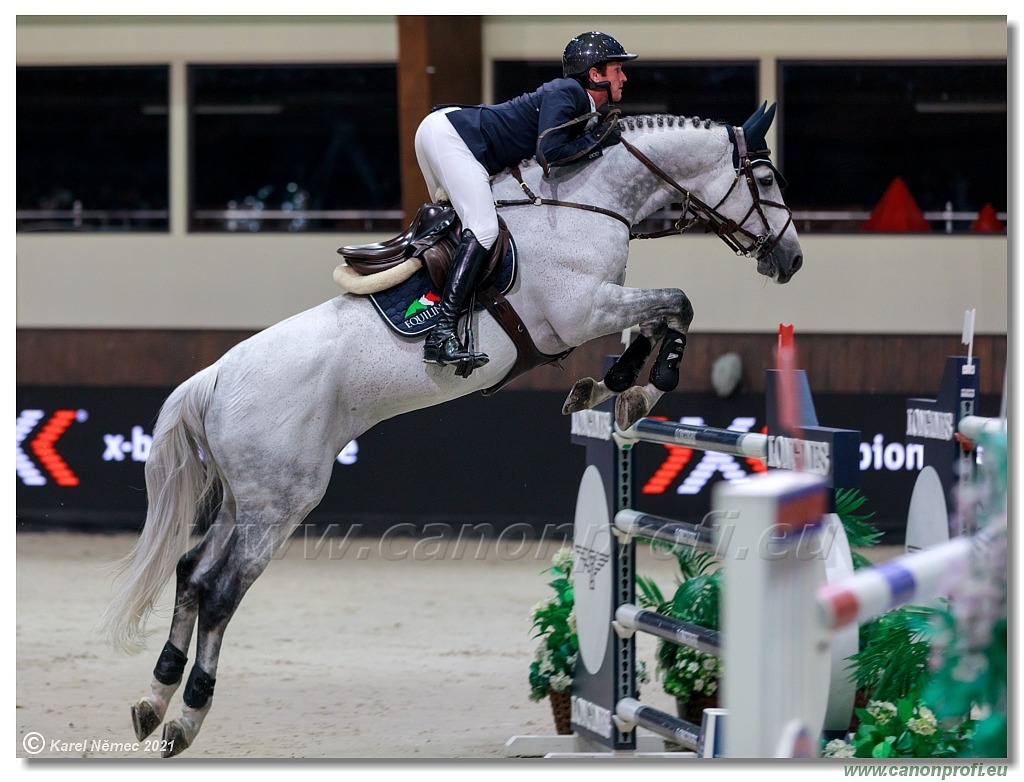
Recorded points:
(584, 395)
(579, 396)
(176, 739)
(144, 719)
(631, 406)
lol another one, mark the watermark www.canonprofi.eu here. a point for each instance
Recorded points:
(437, 541)
(936, 771)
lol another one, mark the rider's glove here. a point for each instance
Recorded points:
(608, 133)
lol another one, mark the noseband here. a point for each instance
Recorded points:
(695, 211)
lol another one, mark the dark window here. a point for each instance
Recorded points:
(294, 147)
(718, 91)
(92, 148)
(849, 129)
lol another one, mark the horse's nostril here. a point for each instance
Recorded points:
(797, 263)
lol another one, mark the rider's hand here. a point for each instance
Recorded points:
(608, 133)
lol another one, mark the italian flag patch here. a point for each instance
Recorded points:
(424, 302)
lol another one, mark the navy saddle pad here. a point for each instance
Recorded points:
(411, 307)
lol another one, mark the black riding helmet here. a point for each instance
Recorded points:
(587, 50)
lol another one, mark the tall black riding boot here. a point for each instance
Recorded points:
(442, 345)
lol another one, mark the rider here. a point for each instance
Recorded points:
(459, 148)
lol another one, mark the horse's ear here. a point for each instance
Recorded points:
(755, 116)
(755, 128)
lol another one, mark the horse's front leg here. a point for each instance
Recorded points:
(637, 401)
(664, 315)
(587, 393)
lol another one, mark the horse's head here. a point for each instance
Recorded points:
(776, 247)
(742, 202)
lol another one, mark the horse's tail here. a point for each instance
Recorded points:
(181, 475)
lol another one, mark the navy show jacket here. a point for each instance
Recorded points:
(503, 135)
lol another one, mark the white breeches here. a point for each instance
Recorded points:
(447, 164)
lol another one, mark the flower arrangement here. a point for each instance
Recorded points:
(937, 675)
(555, 622)
(970, 646)
(904, 729)
(558, 647)
(691, 676)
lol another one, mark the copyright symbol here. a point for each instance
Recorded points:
(34, 743)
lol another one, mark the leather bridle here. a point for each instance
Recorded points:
(695, 211)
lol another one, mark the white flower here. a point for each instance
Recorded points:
(693, 667)
(710, 663)
(924, 724)
(882, 711)
(560, 682)
(837, 748)
(562, 559)
(544, 660)
(698, 685)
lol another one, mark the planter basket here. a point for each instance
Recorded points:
(860, 701)
(561, 710)
(693, 709)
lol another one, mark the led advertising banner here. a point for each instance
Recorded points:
(497, 462)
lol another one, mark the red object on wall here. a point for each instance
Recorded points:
(987, 222)
(897, 211)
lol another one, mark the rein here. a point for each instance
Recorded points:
(535, 200)
(739, 239)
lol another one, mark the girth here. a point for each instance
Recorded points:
(527, 354)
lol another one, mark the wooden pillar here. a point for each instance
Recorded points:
(439, 61)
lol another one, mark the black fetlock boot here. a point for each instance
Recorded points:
(442, 345)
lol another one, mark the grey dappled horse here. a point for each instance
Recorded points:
(261, 428)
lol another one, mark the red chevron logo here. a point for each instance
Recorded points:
(42, 446)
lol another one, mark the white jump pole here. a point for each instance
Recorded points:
(973, 426)
(703, 438)
(870, 592)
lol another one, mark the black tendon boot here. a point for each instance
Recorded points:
(442, 345)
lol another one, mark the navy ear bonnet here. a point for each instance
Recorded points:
(754, 131)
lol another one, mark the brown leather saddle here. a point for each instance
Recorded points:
(433, 237)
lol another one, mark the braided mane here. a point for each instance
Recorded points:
(639, 122)
(652, 121)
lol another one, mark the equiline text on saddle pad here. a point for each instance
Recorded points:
(410, 308)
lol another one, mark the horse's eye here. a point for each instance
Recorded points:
(766, 180)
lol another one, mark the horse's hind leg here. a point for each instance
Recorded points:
(148, 712)
(218, 592)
